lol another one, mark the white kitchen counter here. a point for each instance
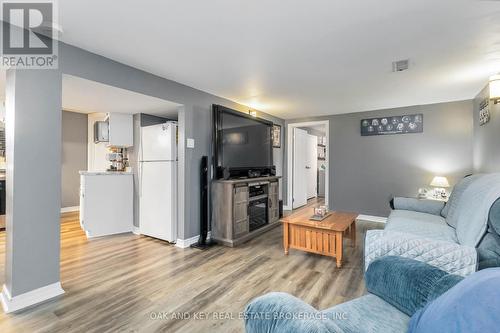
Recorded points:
(106, 203)
(104, 173)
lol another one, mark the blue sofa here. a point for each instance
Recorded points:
(459, 237)
(405, 296)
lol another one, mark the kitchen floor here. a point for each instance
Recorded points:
(134, 283)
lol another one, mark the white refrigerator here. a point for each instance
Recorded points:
(158, 181)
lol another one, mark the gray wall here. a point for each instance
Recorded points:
(195, 119)
(74, 156)
(486, 137)
(366, 171)
(33, 125)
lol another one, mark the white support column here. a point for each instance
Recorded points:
(33, 136)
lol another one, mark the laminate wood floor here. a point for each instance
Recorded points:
(129, 283)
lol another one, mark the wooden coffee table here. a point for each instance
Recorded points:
(324, 237)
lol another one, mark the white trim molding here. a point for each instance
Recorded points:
(185, 243)
(70, 209)
(136, 230)
(19, 302)
(371, 218)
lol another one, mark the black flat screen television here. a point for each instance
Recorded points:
(242, 144)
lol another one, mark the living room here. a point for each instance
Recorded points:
(383, 221)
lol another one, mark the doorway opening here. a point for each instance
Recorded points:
(307, 161)
(134, 125)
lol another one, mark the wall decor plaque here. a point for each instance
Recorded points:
(413, 123)
(276, 136)
(484, 112)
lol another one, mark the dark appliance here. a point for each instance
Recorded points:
(243, 145)
(202, 242)
(2, 204)
(2, 197)
(257, 206)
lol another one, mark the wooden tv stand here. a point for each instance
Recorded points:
(232, 214)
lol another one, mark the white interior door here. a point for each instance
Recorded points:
(312, 166)
(300, 142)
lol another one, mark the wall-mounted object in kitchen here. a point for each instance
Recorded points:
(116, 130)
(101, 131)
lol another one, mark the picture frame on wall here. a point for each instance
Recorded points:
(276, 136)
(404, 124)
(484, 112)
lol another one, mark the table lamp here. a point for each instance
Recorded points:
(440, 183)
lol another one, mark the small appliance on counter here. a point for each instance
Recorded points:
(118, 159)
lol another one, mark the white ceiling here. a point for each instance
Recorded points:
(86, 96)
(299, 58)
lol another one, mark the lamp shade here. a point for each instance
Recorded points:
(495, 87)
(440, 182)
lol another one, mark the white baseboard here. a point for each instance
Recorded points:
(185, 243)
(371, 218)
(136, 230)
(70, 209)
(16, 303)
(287, 208)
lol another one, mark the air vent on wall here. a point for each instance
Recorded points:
(400, 65)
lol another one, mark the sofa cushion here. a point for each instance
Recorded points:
(405, 283)
(450, 210)
(489, 250)
(448, 256)
(472, 305)
(283, 313)
(421, 224)
(474, 208)
(418, 205)
(494, 217)
(368, 314)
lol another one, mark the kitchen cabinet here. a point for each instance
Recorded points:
(117, 130)
(121, 130)
(106, 203)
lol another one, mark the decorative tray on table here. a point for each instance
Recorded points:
(319, 217)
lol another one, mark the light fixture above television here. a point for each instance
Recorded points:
(495, 88)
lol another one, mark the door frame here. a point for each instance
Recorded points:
(290, 143)
(298, 173)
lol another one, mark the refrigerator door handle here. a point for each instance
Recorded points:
(140, 179)
(140, 145)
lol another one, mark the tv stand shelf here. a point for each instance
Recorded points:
(233, 208)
